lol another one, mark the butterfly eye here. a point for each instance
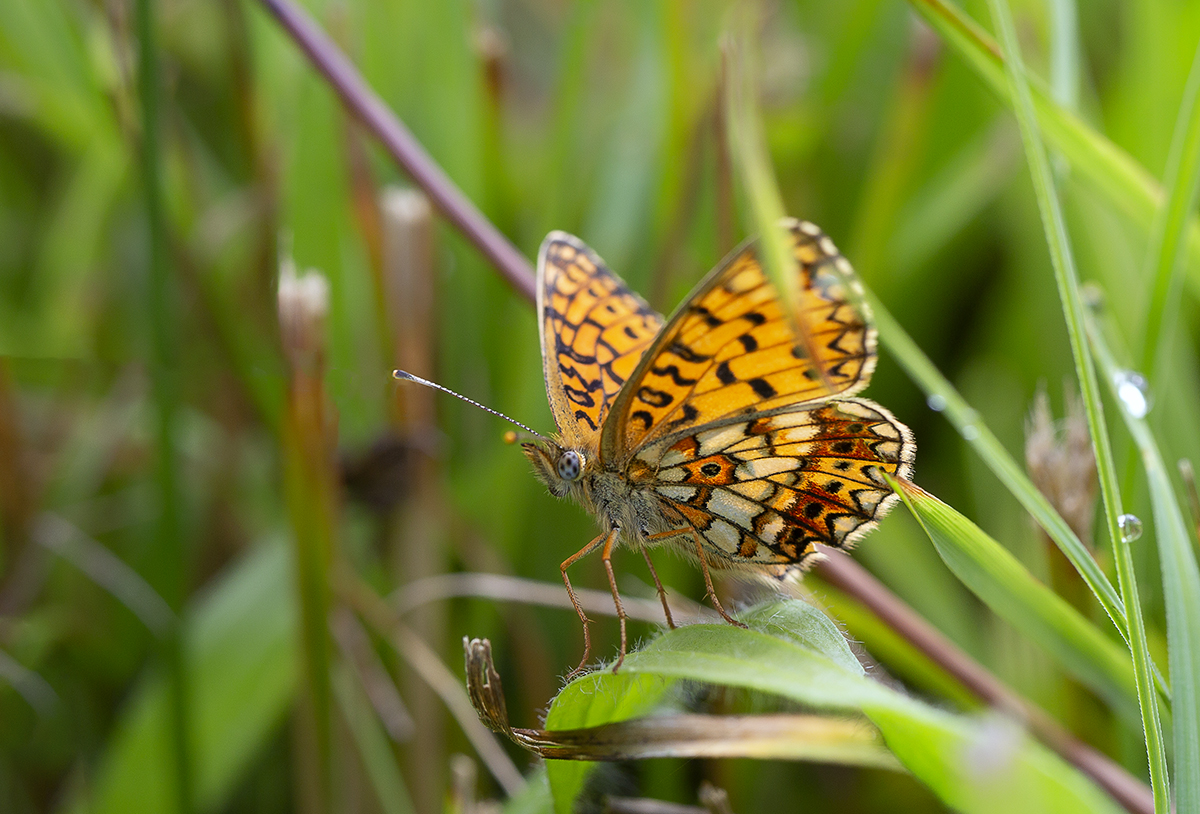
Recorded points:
(570, 465)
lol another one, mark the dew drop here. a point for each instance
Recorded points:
(1092, 296)
(1130, 527)
(969, 432)
(936, 402)
(1134, 392)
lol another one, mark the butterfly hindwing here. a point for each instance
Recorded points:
(731, 349)
(593, 329)
(765, 489)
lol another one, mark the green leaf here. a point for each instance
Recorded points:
(1006, 586)
(794, 651)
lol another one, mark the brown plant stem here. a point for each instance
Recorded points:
(514, 267)
(401, 144)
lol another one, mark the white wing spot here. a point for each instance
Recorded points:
(682, 494)
(765, 467)
(717, 440)
(734, 508)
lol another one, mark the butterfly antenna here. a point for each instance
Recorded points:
(404, 375)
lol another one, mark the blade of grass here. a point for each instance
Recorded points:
(751, 166)
(372, 742)
(1181, 589)
(167, 570)
(1067, 280)
(774, 735)
(1168, 239)
(1064, 52)
(1126, 185)
(1006, 586)
(944, 398)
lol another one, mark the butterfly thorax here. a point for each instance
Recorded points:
(615, 499)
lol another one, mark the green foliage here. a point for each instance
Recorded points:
(793, 650)
(897, 137)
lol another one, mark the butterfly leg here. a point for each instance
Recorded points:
(567, 563)
(662, 593)
(709, 584)
(606, 556)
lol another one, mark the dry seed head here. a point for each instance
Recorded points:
(1061, 463)
(303, 302)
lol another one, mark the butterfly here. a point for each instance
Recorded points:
(720, 431)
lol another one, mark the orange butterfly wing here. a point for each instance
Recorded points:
(764, 489)
(593, 331)
(730, 348)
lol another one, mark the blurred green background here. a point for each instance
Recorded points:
(147, 567)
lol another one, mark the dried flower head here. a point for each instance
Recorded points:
(303, 302)
(1058, 455)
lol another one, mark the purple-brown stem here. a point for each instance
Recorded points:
(840, 571)
(403, 146)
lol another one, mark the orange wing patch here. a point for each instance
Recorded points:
(730, 349)
(594, 331)
(766, 489)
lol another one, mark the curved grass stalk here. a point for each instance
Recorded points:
(1067, 279)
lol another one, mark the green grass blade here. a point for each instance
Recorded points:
(1181, 589)
(1168, 237)
(764, 203)
(794, 651)
(372, 742)
(1116, 175)
(1006, 586)
(1067, 279)
(942, 396)
(167, 569)
(1064, 53)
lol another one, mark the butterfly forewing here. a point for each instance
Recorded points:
(731, 348)
(594, 331)
(765, 489)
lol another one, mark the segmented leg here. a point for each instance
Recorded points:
(712, 592)
(666, 535)
(606, 556)
(567, 563)
(662, 594)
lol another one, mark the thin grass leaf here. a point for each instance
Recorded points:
(1006, 586)
(1181, 589)
(1064, 53)
(1168, 238)
(1067, 279)
(372, 742)
(1124, 182)
(944, 398)
(763, 201)
(167, 568)
(793, 650)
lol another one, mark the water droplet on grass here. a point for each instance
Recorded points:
(1134, 392)
(1130, 527)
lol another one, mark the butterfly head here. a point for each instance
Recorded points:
(561, 469)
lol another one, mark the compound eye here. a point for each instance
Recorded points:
(570, 465)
